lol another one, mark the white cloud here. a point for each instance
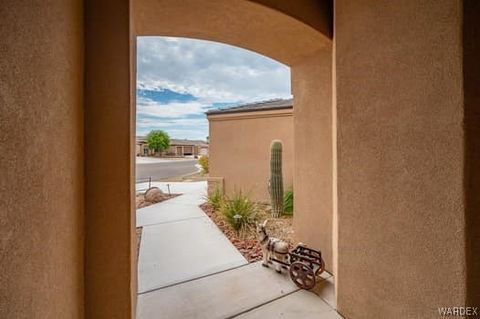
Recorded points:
(147, 107)
(210, 71)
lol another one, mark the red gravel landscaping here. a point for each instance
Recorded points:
(247, 243)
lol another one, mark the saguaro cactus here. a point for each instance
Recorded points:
(275, 183)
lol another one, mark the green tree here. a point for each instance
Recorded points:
(158, 141)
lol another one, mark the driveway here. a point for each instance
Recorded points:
(159, 169)
(187, 268)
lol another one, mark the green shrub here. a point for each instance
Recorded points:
(215, 199)
(203, 161)
(239, 211)
(288, 203)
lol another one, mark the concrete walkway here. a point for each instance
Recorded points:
(179, 242)
(188, 269)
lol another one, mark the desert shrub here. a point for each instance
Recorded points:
(203, 161)
(215, 199)
(288, 203)
(239, 211)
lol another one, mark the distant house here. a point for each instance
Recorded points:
(187, 147)
(178, 147)
(239, 143)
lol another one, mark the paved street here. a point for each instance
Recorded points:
(164, 169)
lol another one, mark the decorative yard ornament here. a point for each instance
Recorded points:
(272, 248)
(305, 264)
(275, 183)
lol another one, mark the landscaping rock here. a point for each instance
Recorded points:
(155, 195)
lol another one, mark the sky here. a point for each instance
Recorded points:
(179, 79)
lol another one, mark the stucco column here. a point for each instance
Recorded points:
(313, 162)
(401, 146)
(109, 158)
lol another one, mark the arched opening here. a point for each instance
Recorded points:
(191, 91)
(308, 52)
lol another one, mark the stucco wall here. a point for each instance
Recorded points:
(255, 26)
(110, 268)
(471, 76)
(312, 88)
(41, 159)
(401, 240)
(240, 150)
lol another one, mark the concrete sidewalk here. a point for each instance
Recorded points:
(188, 269)
(179, 242)
(250, 292)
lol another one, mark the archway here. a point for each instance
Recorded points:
(300, 40)
(307, 51)
(254, 26)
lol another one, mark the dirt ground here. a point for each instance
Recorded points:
(247, 243)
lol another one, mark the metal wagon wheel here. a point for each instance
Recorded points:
(302, 275)
(321, 268)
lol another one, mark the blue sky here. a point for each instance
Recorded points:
(179, 79)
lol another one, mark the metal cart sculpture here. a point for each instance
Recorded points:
(305, 264)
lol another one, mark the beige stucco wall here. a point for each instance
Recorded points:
(312, 88)
(401, 205)
(253, 25)
(110, 268)
(41, 159)
(240, 150)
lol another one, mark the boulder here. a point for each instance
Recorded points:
(155, 195)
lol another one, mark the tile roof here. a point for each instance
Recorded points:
(258, 106)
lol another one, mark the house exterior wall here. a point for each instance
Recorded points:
(231, 21)
(240, 150)
(471, 76)
(41, 160)
(313, 173)
(142, 149)
(401, 145)
(173, 150)
(181, 150)
(110, 240)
